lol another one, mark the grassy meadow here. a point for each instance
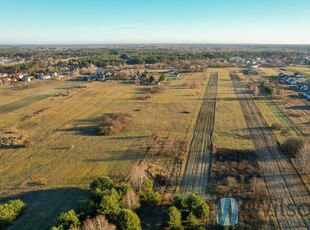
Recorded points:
(230, 129)
(53, 175)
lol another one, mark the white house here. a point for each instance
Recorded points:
(292, 81)
(306, 94)
(20, 76)
(303, 86)
(98, 76)
(254, 66)
(297, 75)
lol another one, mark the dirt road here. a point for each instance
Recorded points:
(289, 196)
(198, 166)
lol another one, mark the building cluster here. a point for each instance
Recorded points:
(11, 60)
(11, 78)
(298, 80)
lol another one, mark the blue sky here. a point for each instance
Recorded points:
(154, 21)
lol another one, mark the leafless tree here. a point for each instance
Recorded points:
(303, 158)
(131, 200)
(97, 223)
(137, 176)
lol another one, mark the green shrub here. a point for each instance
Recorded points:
(174, 219)
(101, 183)
(109, 207)
(124, 189)
(128, 220)
(197, 205)
(67, 220)
(10, 211)
(179, 202)
(192, 204)
(153, 198)
(100, 187)
(192, 220)
(162, 78)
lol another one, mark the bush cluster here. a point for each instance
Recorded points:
(10, 211)
(158, 89)
(191, 211)
(113, 123)
(108, 204)
(292, 145)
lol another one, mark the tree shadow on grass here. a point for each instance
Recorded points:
(12, 147)
(43, 206)
(84, 127)
(305, 107)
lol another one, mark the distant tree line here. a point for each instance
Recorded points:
(25, 67)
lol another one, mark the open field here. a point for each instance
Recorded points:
(270, 72)
(198, 166)
(303, 70)
(230, 129)
(209, 110)
(68, 153)
(284, 183)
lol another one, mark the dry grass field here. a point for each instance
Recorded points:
(54, 174)
(230, 130)
(61, 121)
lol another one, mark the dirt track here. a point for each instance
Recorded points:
(198, 166)
(284, 184)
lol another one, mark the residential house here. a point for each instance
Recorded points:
(3, 75)
(64, 68)
(44, 77)
(176, 75)
(303, 86)
(298, 75)
(254, 66)
(98, 76)
(171, 71)
(292, 81)
(20, 76)
(54, 74)
(28, 78)
(281, 75)
(306, 94)
(145, 81)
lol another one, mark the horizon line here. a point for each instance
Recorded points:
(152, 43)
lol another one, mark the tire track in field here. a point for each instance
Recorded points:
(284, 184)
(283, 118)
(198, 167)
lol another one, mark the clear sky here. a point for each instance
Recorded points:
(154, 21)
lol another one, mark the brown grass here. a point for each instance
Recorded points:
(158, 89)
(236, 174)
(36, 113)
(27, 85)
(175, 148)
(114, 123)
(28, 143)
(145, 97)
(194, 85)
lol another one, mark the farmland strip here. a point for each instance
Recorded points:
(284, 183)
(198, 167)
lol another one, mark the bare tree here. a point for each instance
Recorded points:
(131, 200)
(303, 158)
(97, 223)
(137, 176)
